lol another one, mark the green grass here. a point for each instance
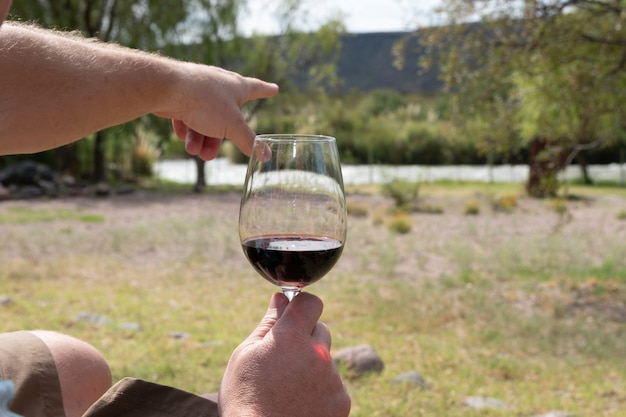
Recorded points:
(21, 215)
(535, 320)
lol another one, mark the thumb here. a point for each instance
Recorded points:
(278, 304)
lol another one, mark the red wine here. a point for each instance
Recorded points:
(295, 261)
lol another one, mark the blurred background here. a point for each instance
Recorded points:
(532, 84)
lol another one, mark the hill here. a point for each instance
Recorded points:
(366, 63)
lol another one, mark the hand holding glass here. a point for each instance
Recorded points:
(292, 219)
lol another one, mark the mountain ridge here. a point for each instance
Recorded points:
(366, 63)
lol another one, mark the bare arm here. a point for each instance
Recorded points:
(57, 88)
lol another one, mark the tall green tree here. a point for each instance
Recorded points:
(560, 64)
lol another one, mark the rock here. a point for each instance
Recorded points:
(49, 188)
(180, 335)
(131, 326)
(102, 189)
(27, 192)
(359, 360)
(26, 173)
(484, 402)
(412, 378)
(29, 179)
(556, 414)
(92, 318)
(5, 300)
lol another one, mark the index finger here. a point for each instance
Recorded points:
(241, 135)
(239, 132)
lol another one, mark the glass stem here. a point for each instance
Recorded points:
(291, 292)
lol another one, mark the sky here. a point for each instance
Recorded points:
(359, 16)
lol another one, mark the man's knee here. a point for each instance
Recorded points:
(83, 372)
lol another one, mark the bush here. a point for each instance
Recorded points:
(403, 193)
(357, 209)
(145, 154)
(400, 223)
(505, 203)
(472, 207)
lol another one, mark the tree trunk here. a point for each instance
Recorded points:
(622, 158)
(67, 160)
(200, 175)
(545, 160)
(99, 158)
(584, 171)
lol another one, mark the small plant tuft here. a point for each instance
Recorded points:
(400, 223)
(472, 207)
(403, 193)
(357, 209)
(558, 205)
(504, 203)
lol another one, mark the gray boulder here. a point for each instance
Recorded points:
(359, 360)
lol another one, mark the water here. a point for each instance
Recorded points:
(221, 172)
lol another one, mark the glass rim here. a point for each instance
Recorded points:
(279, 137)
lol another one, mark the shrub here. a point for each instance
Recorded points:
(400, 223)
(403, 193)
(472, 207)
(357, 209)
(145, 154)
(504, 203)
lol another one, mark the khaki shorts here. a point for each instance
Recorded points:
(26, 360)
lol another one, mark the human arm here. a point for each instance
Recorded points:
(284, 367)
(57, 88)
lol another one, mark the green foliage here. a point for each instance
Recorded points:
(145, 154)
(555, 74)
(403, 193)
(401, 129)
(379, 102)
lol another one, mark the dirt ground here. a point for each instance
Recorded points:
(438, 244)
(583, 240)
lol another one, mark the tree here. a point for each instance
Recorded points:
(561, 64)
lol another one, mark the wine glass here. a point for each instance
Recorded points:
(292, 218)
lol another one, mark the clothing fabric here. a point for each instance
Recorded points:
(26, 361)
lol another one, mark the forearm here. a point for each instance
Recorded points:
(56, 88)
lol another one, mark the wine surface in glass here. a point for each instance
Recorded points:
(292, 260)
